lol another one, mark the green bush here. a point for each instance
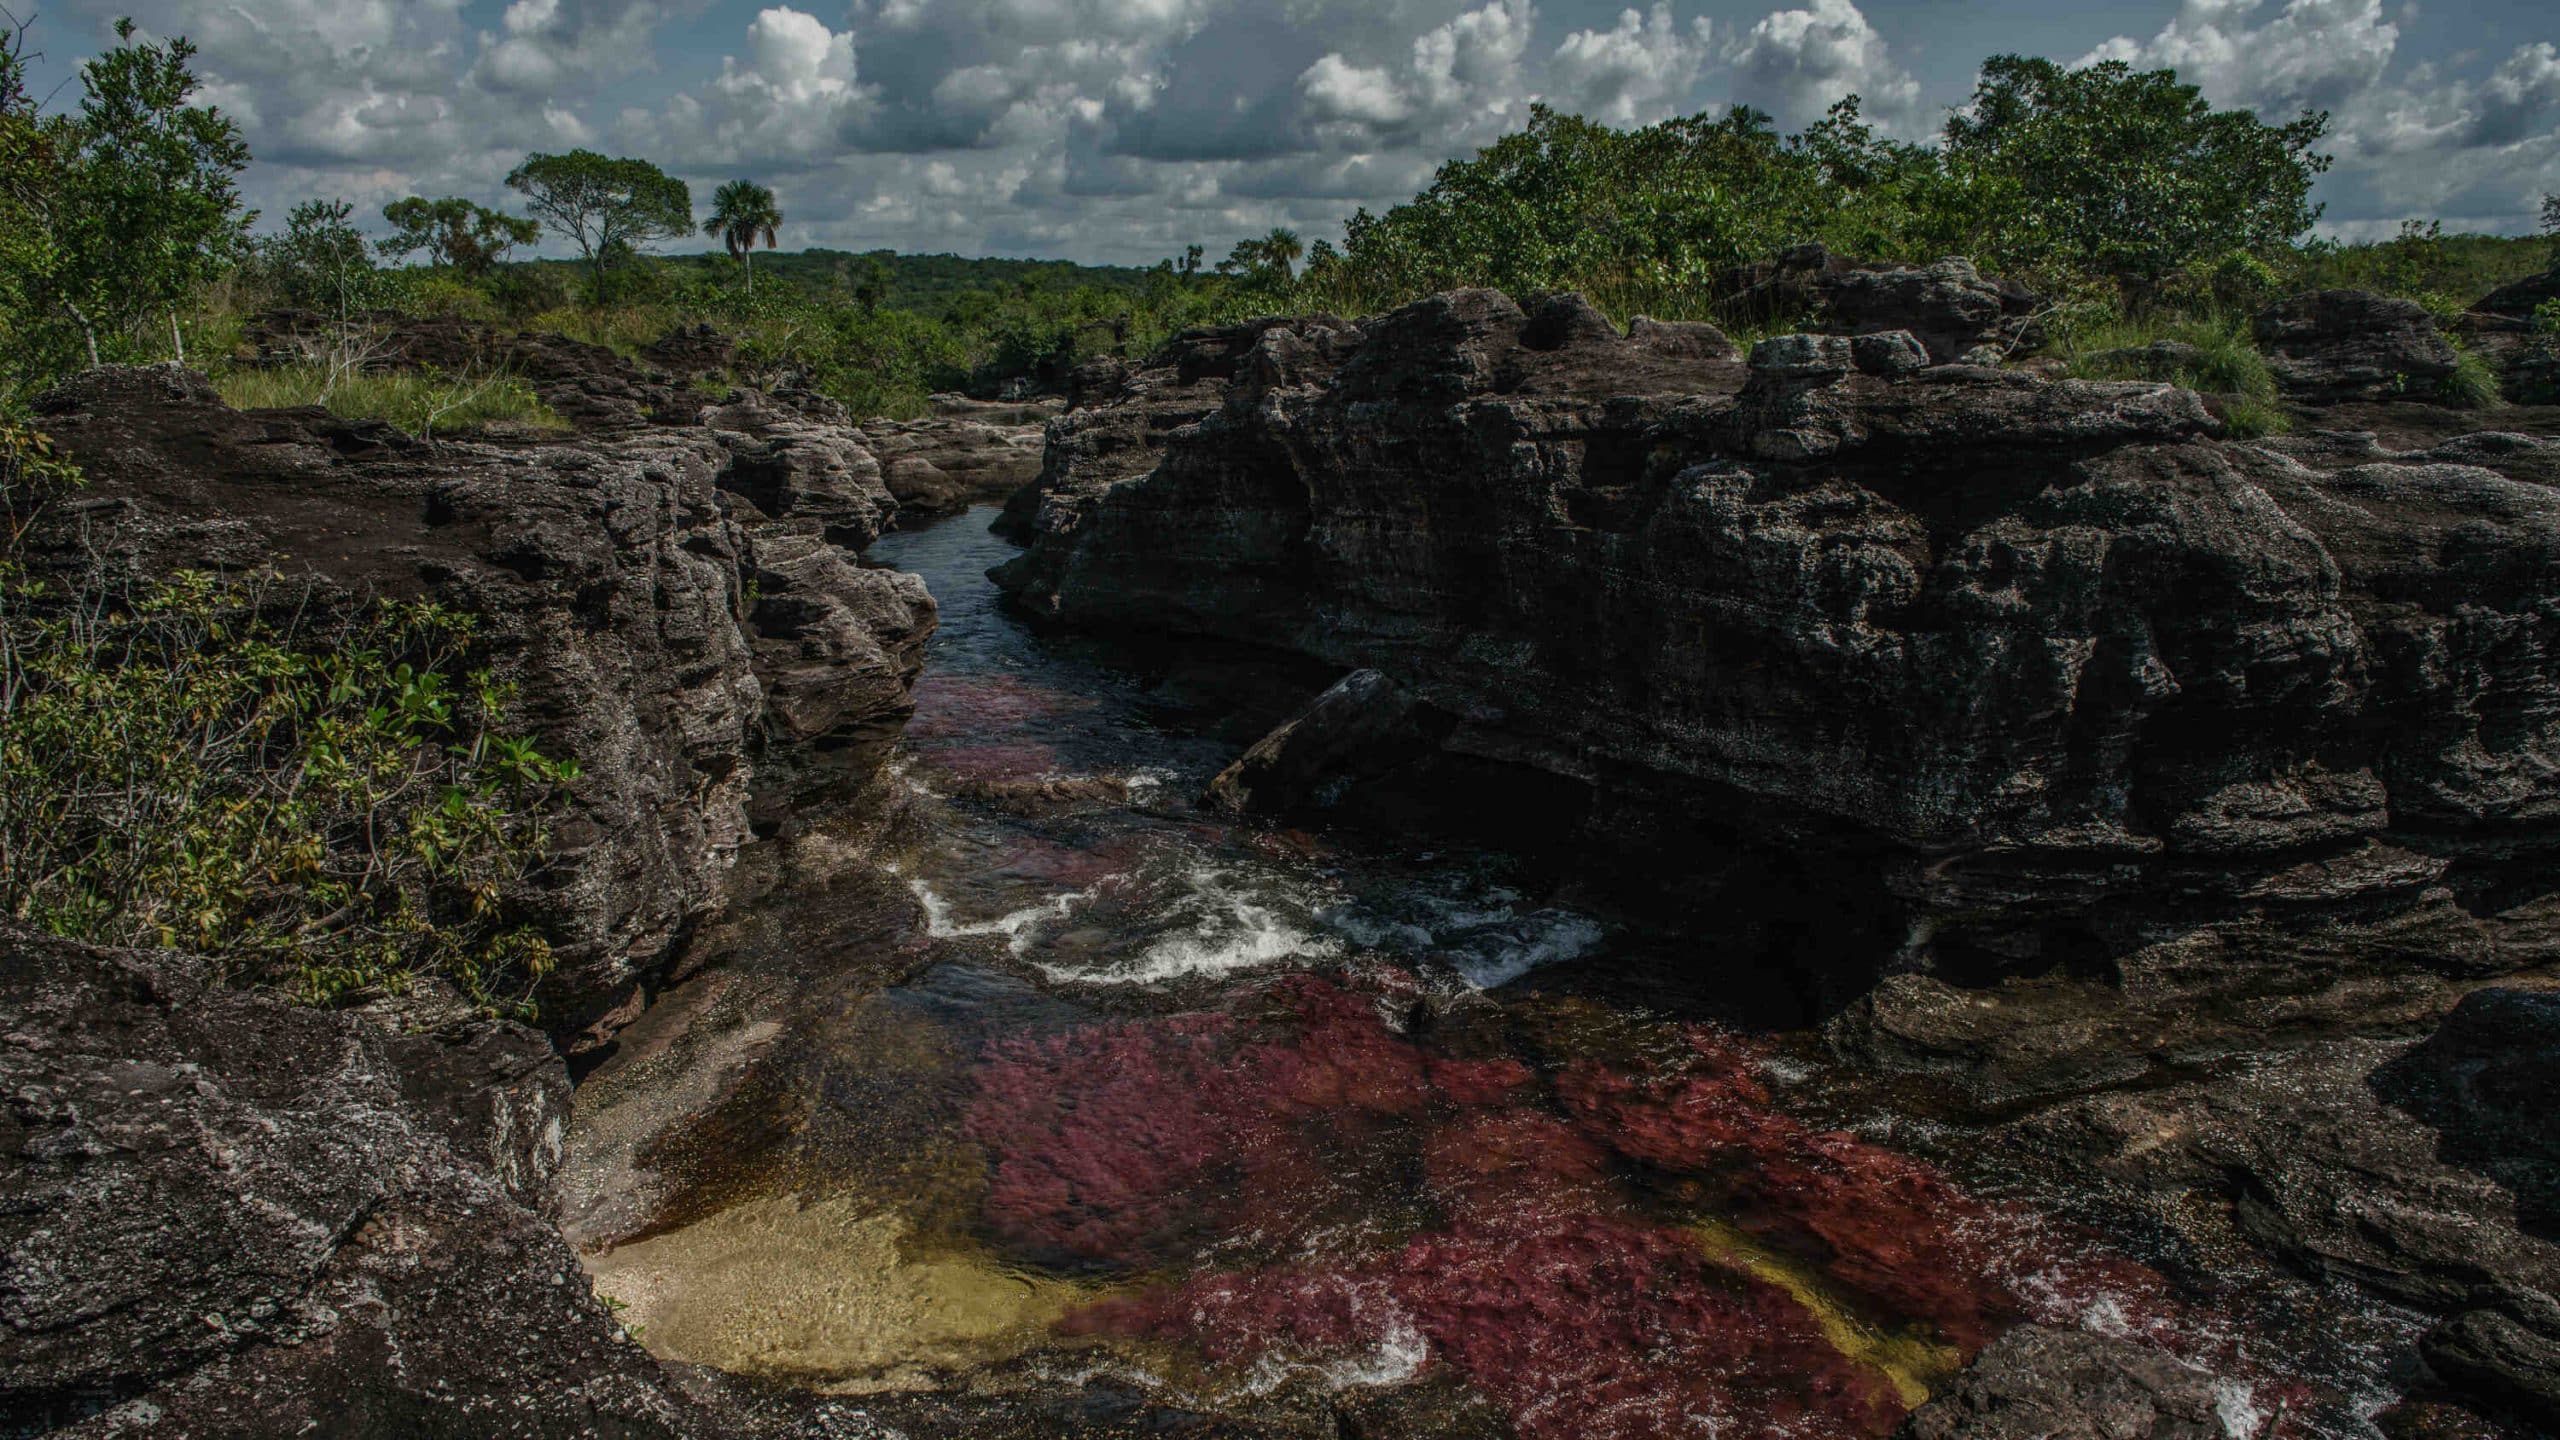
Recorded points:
(326, 801)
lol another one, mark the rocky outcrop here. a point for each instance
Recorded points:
(2330, 346)
(2506, 328)
(230, 1216)
(1956, 312)
(2036, 1383)
(1362, 726)
(686, 646)
(941, 466)
(2422, 1172)
(1998, 676)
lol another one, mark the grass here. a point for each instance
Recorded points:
(2473, 385)
(626, 330)
(422, 403)
(2218, 358)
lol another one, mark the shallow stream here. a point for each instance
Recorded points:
(1287, 1124)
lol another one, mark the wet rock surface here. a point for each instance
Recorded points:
(2045, 1384)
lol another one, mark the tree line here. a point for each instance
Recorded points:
(2119, 190)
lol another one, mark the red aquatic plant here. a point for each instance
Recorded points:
(1576, 1325)
(1540, 1283)
(1109, 1142)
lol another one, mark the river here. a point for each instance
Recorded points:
(1073, 1079)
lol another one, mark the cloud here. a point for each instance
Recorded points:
(1794, 63)
(2476, 150)
(2311, 55)
(1637, 73)
(1453, 80)
(1124, 129)
(780, 103)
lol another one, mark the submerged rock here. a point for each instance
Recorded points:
(2045, 1384)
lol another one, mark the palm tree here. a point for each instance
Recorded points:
(741, 211)
(1281, 248)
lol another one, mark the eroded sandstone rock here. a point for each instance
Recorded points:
(2020, 676)
(2326, 346)
(612, 579)
(2038, 1383)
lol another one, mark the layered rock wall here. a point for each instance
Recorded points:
(2022, 673)
(676, 604)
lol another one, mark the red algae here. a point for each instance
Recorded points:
(1542, 1275)
(1577, 1325)
(972, 705)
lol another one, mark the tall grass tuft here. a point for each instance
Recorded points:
(2212, 354)
(2473, 385)
(421, 402)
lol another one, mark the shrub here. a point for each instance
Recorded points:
(421, 402)
(324, 800)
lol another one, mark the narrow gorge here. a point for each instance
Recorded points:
(1470, 873)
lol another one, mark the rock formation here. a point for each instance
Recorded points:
(967, 453)
(1955, 311)
(2024, 676)
(2328, 346)
(674, 603)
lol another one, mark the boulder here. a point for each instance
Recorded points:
(942, 466)
(230, 1216)
(1956, 312)
(1362, 726)
(2521, 299)
(2331, 346)
(2504, 1364)
(2038, 1383)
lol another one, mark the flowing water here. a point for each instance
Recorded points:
(1279, 1123)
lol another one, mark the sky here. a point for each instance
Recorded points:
(1119, 131)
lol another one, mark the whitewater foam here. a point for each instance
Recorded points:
(1018, 927)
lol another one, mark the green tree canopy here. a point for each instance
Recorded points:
(2127, 174)
(120, 210)
(320, 259)
(743, 211)
(454, 231)
(607, 207)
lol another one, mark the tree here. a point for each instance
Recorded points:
(2551, 222)
(607, 207)
(1281, 249)
(871, 284)
(2127, 174)
(122, 209)
(320, 259)
(741, 211)
(453, 231)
